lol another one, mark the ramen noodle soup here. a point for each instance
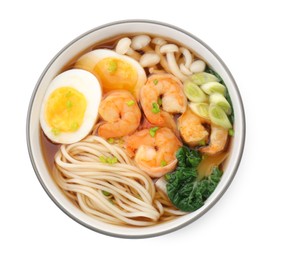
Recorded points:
(135, 131)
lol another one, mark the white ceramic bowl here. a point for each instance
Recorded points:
(69, 53)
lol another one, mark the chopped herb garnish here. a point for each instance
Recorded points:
(109, 160)
(112, 66)
(55, 131)
(111, 140)
(153, 131)
(74, 126)
(231, 132)
(130, 103)
(155, 81)
(155, 108)
(106, 193)
(69, 104)
(203, 142)
(112, 160)
(160, 102)
(163, 163)
(68, 94)
(103, 159)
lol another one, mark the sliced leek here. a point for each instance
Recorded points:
(220, 100)
(218, 116)
(200, 109)
(193, 92)
(213, 87)
(203, 77)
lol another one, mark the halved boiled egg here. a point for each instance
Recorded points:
(70, 106)
(115, 71)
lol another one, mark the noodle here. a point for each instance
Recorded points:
(118, 193)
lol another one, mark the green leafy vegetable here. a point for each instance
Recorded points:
(184, 189)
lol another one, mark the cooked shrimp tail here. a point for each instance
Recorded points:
(218, 140)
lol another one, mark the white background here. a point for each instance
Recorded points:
(244, 224)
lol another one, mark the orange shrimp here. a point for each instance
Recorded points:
(218, 140)
(120, 113)
(168, 90)
(154, 153)
(191, 128)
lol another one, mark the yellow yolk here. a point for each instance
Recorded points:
(65, 110)
(116, 74)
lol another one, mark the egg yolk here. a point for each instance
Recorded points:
(65, 110)
(116, 74)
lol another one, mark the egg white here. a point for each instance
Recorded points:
(90, 59)
(87, 84)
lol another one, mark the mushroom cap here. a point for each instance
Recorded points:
(169, 48)
(140, 41)
(159, 41)
(149, 59)
(197, 66)
(123, 45)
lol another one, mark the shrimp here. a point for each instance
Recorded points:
(161, 97)
(218, 139)
(191, 128)
(121, 114)
(154, 154)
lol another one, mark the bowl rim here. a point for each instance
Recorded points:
(232, 174)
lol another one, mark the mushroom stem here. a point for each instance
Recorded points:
(133, 54)
(172, 64)
(184, 69)
(163, 60)
(187, 56)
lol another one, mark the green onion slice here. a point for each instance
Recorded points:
(193, 92)
(213, 87)
(203, 77)
(219, 117)
(155, 108)
(221, 101)
(200, 109)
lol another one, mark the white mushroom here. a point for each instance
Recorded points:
(155, 70)
(169, 50)
(163, 60)
(159, 41)
(187, 56)
(139, 42)
(185, 70)
(149, 59)
(197, 66)
(123, 47)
